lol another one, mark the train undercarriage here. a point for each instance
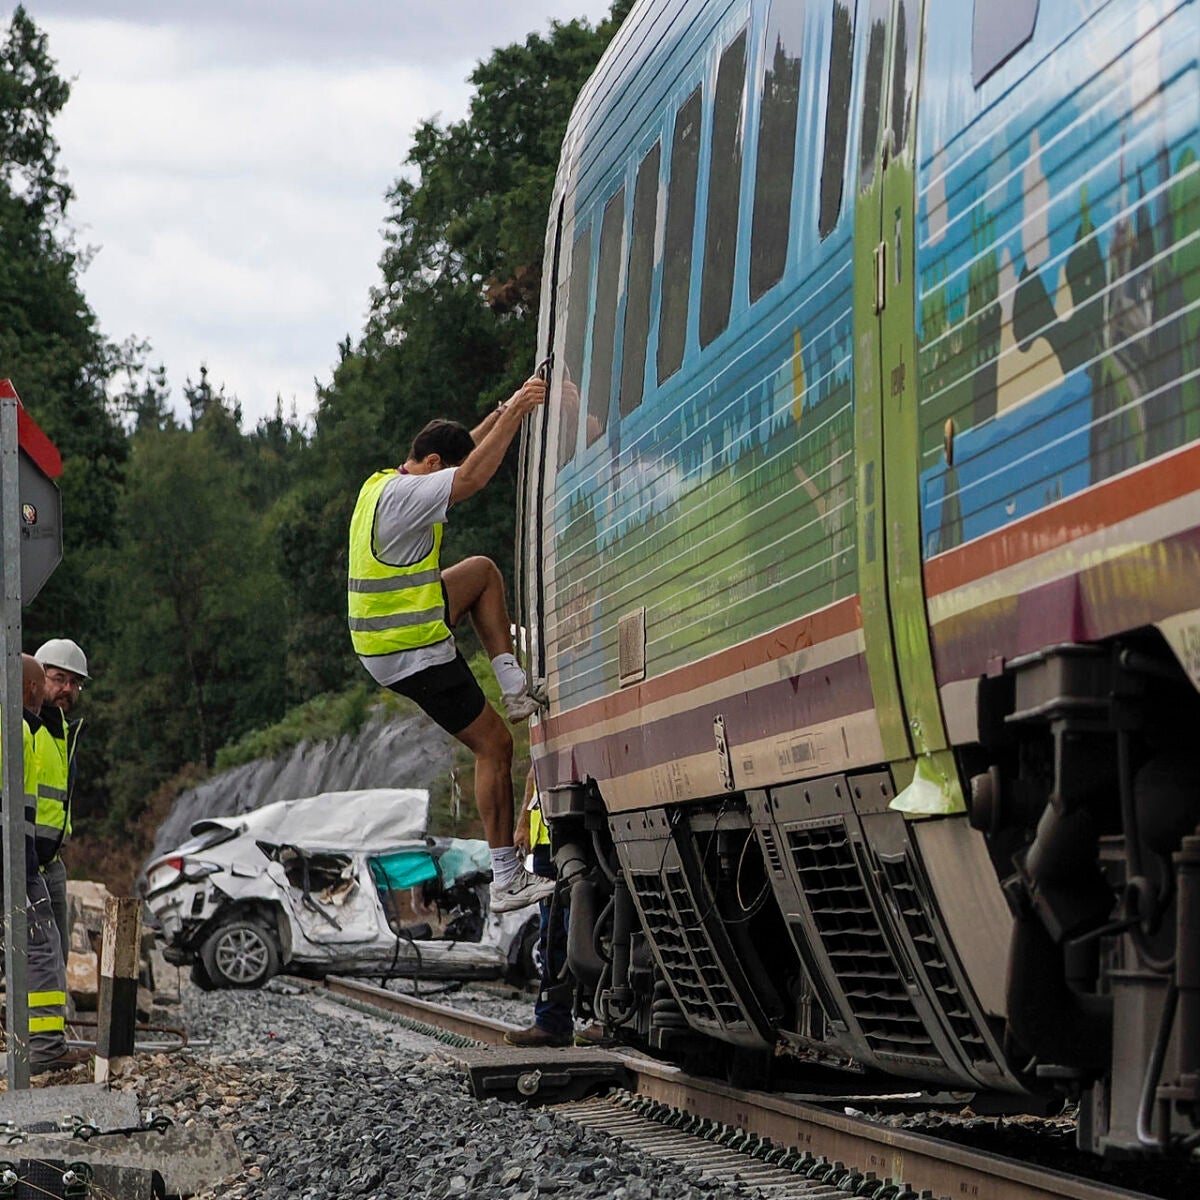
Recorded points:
(1045, 945)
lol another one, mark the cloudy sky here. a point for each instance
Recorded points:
(230, 159)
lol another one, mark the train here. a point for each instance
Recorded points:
(858, 548)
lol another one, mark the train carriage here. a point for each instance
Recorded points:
(860, 543)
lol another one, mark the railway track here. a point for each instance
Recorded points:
(779, 1145)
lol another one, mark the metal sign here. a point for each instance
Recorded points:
(41, 502)
(41, 527)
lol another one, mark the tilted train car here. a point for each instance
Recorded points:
(860, 544)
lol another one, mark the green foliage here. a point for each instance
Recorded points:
(452, 325)
(49, 343)
(323, 718)
(195, 654)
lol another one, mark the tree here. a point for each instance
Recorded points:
(205, 565)
(451, 329)
(50, 345)
(196, 653)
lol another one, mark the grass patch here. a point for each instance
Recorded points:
(320, 719)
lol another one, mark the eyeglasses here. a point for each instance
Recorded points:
(62, 679)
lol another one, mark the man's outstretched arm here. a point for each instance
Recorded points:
(484, 461)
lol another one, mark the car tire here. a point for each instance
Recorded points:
(200, 977)
(240, 954)
(526, 963)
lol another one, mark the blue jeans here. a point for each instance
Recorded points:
(550, 1015)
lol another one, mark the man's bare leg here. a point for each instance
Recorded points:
(475, 588)
(487, 737)
(513, 887)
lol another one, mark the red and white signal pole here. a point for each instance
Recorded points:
(31, 544)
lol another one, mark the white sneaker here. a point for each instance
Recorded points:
(522, 890)
(520, 706)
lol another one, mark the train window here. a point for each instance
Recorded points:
(999, 31)
(904, 70)
(872, 91)
(604, 321)
(637, 292)
(837, 116)
(677, 246)
(776, 159)
(577, 298)
(724, 184)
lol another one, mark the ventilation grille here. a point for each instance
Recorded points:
(857, 949)
(631, 647)
(687, 954)
(771, 850)
(945, 988)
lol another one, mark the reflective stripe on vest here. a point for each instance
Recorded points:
(53, 816)
(391, 607)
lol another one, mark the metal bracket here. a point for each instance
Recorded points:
(724, 756)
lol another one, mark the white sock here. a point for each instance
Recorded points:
(509, 674)
(504, 864)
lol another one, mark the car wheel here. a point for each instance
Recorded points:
(240, 954)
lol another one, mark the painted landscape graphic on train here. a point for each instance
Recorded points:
(867, 557)
(724, 502)
(1059, 273)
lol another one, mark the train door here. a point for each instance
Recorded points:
(529, 568)
(899, 658)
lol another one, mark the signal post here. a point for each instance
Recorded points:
(31, 539)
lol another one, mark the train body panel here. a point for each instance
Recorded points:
(1058, 276)
(860, 544)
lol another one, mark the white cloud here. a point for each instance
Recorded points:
(231, 162)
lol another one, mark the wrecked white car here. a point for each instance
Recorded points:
(317, 886)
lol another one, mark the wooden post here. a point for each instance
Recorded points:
(119, 953)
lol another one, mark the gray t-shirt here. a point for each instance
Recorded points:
(408, 509)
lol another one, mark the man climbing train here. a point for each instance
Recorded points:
(403, 608)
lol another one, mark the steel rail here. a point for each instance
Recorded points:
(925, 1163)
(453, 1020)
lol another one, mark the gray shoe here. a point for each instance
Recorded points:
(520, 706)
(522, 890)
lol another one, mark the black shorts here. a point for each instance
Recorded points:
(448, 693)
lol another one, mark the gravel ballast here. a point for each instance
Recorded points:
(326, 1102)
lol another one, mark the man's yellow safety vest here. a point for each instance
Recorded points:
(539, 831)
(30, 782)
(53, 824)
(392, 606)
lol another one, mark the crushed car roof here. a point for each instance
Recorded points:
(373, 819)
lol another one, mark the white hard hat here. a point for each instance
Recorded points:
(64, 654)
